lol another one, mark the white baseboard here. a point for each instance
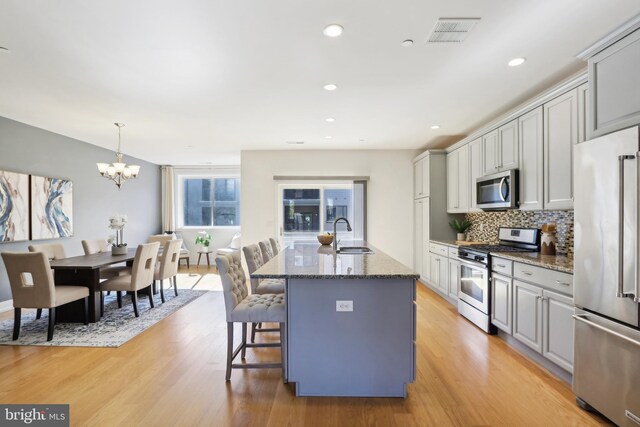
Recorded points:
(6, 306)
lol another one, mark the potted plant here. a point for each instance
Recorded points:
(117, 223)
(461, 228)
(203, 238)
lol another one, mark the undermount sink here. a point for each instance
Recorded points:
(355, 250)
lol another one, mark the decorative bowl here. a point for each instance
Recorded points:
(325, 239)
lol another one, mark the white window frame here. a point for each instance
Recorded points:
(180, 174)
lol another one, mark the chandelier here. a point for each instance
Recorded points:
(118, 171)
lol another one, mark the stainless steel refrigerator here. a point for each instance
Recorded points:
(607, 276)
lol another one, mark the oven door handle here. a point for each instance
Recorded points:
(502, 181)
(473, 263)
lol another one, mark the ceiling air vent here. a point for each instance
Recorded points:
(451, 30)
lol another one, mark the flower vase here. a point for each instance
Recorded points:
(204, 248)
(460, 237)
(118, 250)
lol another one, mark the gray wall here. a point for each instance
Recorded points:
(31, 150)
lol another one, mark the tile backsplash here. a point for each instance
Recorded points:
(485, 225)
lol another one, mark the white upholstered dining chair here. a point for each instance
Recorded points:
(167, 268)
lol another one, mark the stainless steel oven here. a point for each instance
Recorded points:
(498, 191)
(474, 285)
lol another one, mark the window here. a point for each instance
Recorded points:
(210, 202)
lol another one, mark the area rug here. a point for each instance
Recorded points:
(117, 326)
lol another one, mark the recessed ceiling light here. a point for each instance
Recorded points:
(362, 140)
(328, 137)
(516, 61)
(333, 30)
(295, 142)
(189, 146)
(4, 49)
(434, 127)
(330, 86)
(407, 43)
(330, 119)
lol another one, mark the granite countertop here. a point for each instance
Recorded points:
(453, 243)
(560, 263)
(312, 261)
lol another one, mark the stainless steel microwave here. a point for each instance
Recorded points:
(498, 191)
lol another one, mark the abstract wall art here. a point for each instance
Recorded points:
(14, 206)
(51, 208)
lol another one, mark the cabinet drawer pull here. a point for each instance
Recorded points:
(562, 283)
(527, 273)
(501, 266)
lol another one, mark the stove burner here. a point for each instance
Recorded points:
(497, 248)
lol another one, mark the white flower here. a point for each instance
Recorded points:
(117, 221)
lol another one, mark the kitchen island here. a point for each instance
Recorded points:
(351, 321)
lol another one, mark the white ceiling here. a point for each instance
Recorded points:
(224, 76)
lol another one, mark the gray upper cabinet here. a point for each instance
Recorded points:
(560, 135)
(531, 162)
(417, 179)
(476, 163)
(490, 152)
(614, 79)
(584, 107)
(500, 148)
(458, 180)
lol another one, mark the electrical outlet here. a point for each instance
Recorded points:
(344, 305)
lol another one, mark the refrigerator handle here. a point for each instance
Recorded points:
(636, 297)
(621, 293)
(584, 319)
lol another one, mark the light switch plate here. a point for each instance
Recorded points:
(344, 305)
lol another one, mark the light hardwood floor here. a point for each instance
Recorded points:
(173, 375)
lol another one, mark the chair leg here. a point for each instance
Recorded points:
(175, 285)
(229, 349)
(162, 290)
(52, 323)
(119, 297)
(108, 292)
(244, 340)
(17, 315)
(85, 312)
(134, 300)
(151, 297)
(38, 313)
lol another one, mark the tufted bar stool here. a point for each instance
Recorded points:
(244, 308)
(255, 259)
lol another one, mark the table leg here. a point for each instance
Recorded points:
(208, 262)
(74, 311)
(198, 264)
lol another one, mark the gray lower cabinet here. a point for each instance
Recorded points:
(614, 78)
(527, 314)
(501, 311)
(557, 328)
(439, 267)
(454, 278)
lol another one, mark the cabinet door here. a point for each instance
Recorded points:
(426, 173)
(452, 181)
(426, 236)
(417, 179)
(615, 86)
(508, 146)
(476, 162)
(527, 314)
(584, 107)
(443, 275)
(454, 278)
(463, 179)
(434, 271)
(490, 152)
(557, 327)
(531, 161)
(501, 302)
(417, 236)
(560, 135)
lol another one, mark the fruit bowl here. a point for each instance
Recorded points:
(325, 239)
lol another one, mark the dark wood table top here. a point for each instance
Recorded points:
(91, 262)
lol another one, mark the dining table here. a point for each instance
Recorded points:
(84, 270)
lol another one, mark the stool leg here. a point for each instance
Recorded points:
(244, 340)
(253, 332)
(229, 349)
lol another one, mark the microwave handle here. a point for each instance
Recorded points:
(502, 181)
